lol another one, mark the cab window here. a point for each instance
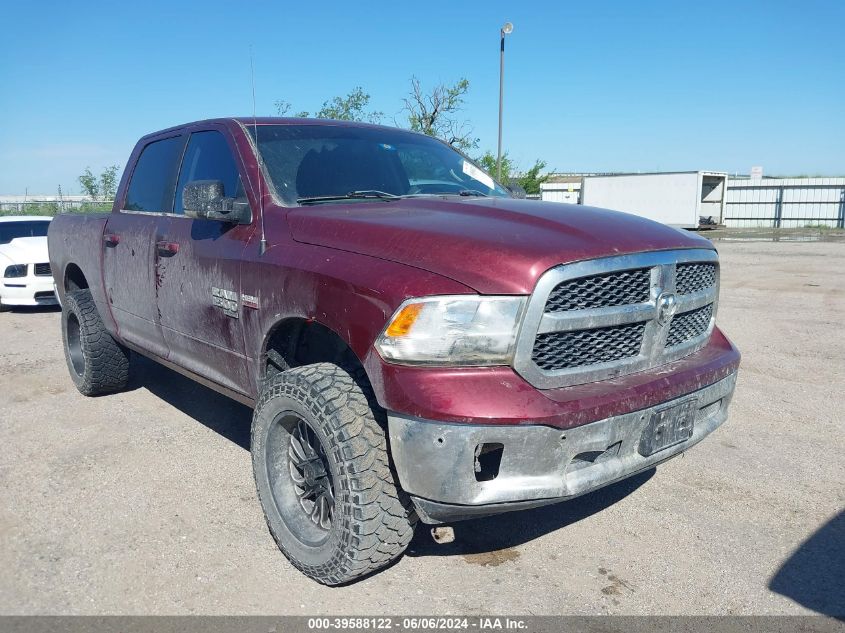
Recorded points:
(208, 157)
(151, 187)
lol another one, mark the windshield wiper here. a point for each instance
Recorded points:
(440, 194)
(352, 195)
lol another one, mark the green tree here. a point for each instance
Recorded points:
(90, 184)
(532, 179)
(488, 162)
(102, 187)
(434, 112)
(352, 107)
(283, 108)
(108, 182)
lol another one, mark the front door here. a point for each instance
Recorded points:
(198, 271)
(128, 244)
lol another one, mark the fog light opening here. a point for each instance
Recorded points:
(590, 458)
(488, 458)
(709, 410)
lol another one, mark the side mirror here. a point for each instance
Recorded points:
(204, 199)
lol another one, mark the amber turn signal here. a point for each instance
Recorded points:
(401, 325)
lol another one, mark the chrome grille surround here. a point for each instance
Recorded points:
(538, 320)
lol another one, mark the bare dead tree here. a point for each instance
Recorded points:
(434, 113)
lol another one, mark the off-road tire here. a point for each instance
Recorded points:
(97, 363)
(373, 520)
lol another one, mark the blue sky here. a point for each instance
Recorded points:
(612, 86)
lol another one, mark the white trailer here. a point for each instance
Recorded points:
(678, 199)
(561, 190)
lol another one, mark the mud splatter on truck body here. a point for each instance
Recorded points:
(193, 290)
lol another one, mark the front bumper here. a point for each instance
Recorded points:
(32, 290)
(530, 465)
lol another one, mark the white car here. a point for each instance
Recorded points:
(24, 264)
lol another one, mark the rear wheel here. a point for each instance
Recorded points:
(323, 477)
(97, 363)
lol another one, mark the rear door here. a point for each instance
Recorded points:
(199, 282)
(128, 243)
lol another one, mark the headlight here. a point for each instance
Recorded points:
(453, 330)
(18, 270)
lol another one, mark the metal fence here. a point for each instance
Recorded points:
(785, 202)
(53, 207)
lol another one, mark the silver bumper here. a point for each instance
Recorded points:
(458, 471)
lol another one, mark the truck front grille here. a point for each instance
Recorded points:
(562, 350)
(689, 325)
(694, 278)
(42, 270)
(601, 291)
(596, 319)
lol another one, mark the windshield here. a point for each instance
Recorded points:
(308, 162)
(13, 230)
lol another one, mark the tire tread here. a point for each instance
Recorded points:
(376, 519)
(106, 361)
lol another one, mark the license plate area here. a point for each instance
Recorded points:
(668, 426)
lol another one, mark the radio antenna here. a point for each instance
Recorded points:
(262, 244)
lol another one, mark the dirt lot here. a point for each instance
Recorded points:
(144, 502)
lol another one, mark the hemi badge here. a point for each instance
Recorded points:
(248, 301)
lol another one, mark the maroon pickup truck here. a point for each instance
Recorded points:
(416, 343)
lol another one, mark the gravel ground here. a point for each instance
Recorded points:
(143, 502)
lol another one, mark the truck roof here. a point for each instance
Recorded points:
(248, 121)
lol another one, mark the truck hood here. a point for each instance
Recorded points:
(492, 245)
(26, 250)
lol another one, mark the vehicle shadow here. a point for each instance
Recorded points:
(222, 415)
(814, 575)
(497, 534)
(490, 535)
(34, 309)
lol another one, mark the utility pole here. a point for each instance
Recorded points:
(505, 30)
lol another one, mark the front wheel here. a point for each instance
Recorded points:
(323, 477)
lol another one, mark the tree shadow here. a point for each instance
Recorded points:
(503, 531)
(219, 413)
(814, 575)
